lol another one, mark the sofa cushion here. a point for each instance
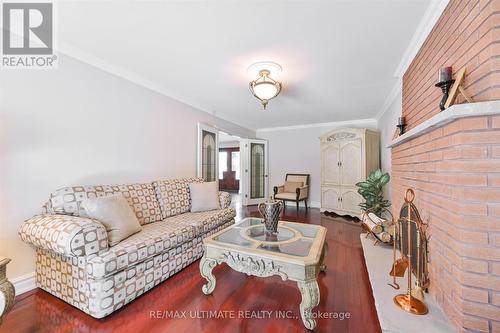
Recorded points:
(205, 221)
(204, 196)
(141, 198)
(153, 239)
(115, 214)
(173, 195)
(157, 238)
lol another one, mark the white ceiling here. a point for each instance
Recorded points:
(338, 57)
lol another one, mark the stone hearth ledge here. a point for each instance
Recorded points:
(452, 113)
(392, 319)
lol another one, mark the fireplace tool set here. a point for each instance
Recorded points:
(411, 239)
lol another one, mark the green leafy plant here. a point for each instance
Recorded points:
(372, 191)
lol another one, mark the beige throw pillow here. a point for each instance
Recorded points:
(204, 196)
(291, 187)
(115, 214)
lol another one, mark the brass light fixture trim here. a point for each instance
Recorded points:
(265, 87)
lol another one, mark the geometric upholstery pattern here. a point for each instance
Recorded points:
(66, 235)
(173, 195)
(75, 263)
(224, 200)
(206, 221)
(61, 277)
(141, 198)
(156, 238)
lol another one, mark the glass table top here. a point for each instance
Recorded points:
(293, 239)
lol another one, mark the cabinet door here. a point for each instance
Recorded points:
(351, 160)
(330, 198)
(350, 200)
(330, 164)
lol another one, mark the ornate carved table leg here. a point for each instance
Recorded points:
(322, 266)
(7, 291)
(310, 298)
(206, 266)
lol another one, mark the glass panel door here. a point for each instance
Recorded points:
(257, 171)
(207, 153)
(255, 166)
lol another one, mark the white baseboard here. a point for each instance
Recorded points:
(24, 283)
(311, 204)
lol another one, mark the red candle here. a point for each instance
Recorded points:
(445, 74)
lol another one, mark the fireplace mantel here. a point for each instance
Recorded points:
(454, 112)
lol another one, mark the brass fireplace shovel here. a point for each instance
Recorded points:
(398, 270)
(399, 267)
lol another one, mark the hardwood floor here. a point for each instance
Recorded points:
(344, 289)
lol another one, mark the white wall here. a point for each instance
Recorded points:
(387, 126)
(229, 144)
(80, 125)
(297, 150)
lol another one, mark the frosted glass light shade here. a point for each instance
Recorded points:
(265, 90)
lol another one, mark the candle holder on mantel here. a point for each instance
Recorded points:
(401, 125)
(445, 82)
(445, 88)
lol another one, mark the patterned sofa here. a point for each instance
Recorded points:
(75, 263)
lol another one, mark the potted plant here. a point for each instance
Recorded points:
(372, 191)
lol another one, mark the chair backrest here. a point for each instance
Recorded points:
(298, 177)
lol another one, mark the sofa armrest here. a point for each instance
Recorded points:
(65, 234)
(224, 199)
(302, 192)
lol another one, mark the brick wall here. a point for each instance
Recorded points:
(467, 34)
(455, 169)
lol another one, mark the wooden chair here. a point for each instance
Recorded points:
(296, 188)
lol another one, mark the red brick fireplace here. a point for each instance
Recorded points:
(454, 164)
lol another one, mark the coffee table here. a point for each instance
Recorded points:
(296, 253)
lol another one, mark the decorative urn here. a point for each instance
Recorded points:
(271, 211)
(7, 291)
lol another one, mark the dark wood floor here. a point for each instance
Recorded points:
(344, 289)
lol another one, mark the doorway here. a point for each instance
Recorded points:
(239, 165)
(229, 163)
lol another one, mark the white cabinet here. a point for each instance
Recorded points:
(348, 156)
(331, 156)
(330, 197)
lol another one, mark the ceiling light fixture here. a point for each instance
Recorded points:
(265, 87)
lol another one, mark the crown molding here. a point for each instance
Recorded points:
(364, 122)
(429, 20)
